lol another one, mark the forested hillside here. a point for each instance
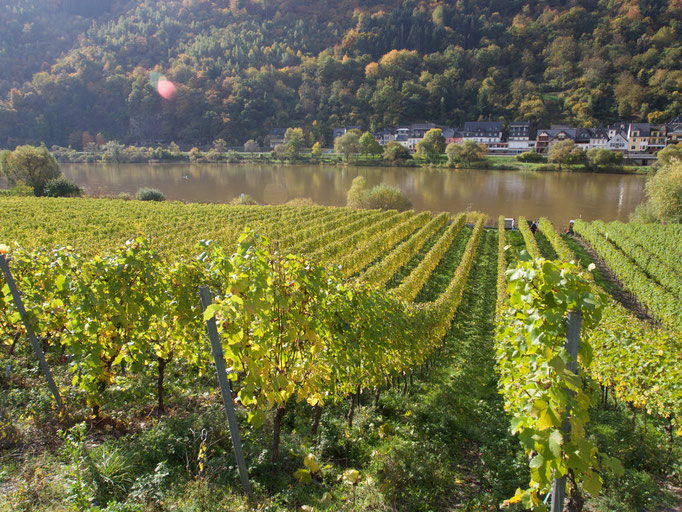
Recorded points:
(244, 66)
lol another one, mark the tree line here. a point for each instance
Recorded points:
(250, 66)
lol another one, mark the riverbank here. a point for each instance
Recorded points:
(327, 157)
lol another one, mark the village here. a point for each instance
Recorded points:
(636, 141)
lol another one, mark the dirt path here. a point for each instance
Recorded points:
(625, 298)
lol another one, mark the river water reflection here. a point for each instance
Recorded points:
(557, 196)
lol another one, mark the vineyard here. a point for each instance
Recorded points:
(343, 331)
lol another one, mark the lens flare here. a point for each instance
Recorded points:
(166, 89)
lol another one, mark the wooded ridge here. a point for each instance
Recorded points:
(243, 67)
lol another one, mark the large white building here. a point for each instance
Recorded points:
(483, 132)
(521, 137)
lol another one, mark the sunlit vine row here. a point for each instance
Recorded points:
(381, 273)
(647, 256)
(380, 244)
(637, 359)
(412, 284)
(665, 306)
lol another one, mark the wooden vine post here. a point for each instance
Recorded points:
(225, 389)
(572, 345)
(35, 345)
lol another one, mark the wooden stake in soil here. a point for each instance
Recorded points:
(225, 389)
(316, 420)
(572, 344)
(35, 345)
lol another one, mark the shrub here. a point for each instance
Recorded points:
(194, 154)
(161, 154)
(61, 187)
(531, 157)
(665, 193)
(358, 188)
(133, 154)
(669, 154)
(546, 167)
(278, 152)
(599, 157)
(150, 194)
(250, 146)
(385, 197)
(232, 157)
(301, 201)
(394, 152)
(214, 156)
(20, 189)
(643, 214)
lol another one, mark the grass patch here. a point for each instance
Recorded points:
(545, 246)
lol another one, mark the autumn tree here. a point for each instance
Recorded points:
(250, 146)
(356, 193)
(630, 96)
(395, 152)
(577, 157)
(316, 151)
(452, 152)
(34, 166)
(467, 152)
(431, 147)
(369, 144)
(86, 140)
(560, 151)
(348, 144)
(279, 152)
(220, 145)
(113, 151)
(293, 142)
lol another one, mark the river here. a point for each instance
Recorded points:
(557, 196)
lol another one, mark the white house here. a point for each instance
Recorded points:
(599, 138)
(618, 142)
